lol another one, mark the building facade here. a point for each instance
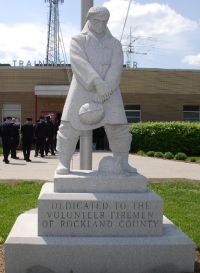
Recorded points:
(148, 94)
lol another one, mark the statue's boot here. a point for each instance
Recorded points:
(66, 149)
(120, 148)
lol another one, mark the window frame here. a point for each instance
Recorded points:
(133, 111)
(192, 112)
(12, 107)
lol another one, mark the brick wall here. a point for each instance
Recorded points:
(50, 105)
(161, 107)
(160, 93)
(25, 79)
(160, 81)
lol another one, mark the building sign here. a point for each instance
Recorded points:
(29, 63)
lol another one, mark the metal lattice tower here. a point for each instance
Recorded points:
(129, 50)
(52, 52)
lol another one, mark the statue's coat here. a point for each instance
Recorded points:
(90, 59)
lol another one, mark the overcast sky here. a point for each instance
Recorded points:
(164, 33)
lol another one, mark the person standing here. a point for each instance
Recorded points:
(6, 135)
(34, 126)
(27, 138)
(56, 126)
(100, 134)
(51, 136)
(15, 139)
(41, 135)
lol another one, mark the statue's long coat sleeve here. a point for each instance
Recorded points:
(91, 59)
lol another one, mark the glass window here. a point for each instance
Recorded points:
(12, 110)
(133, 113)
(191, 113)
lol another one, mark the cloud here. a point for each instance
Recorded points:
(150, 19)
(2, 54)
(28, 41)
(19, 38)
(192, 59)
(28, 48)
(156, 28)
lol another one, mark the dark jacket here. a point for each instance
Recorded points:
(56, 127)
(6, 130)
(50, 129)
(27, 132)
(41, 130)
(15, 132)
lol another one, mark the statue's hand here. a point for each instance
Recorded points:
(102, 89)
(98, 98)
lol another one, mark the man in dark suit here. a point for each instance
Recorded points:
(27, 138)
(34, 126)
(41, 135)
(6, 135)
(56, 126)
(100, 135)
(51, 136)
(15, 139)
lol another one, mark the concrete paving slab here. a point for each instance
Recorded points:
(44, 168)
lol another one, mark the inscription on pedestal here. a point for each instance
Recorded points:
(101, 217)
(91, 215)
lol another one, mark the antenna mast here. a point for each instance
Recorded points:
(52, 52)
(130, 50)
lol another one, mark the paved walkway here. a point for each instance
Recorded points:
(44, 168)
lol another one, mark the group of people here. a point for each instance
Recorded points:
(45, 136)
(9, 132)
(42, 134)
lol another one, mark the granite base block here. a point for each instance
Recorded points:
(99, 214)
(94, 181)
(26, 252)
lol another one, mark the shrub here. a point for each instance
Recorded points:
(158, 154)
(180, 156)
(140, 152)
(168, 155)
(150, 153)
(173, 137)
(193, 159)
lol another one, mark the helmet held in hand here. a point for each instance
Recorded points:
(91, 113)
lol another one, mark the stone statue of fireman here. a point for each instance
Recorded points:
(97, 61)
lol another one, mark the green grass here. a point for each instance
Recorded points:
(181, 205)
(14, 200)
(1, 150)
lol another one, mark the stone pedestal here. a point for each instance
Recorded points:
(26, 252)
(99, 214)
(92, 222)
(95, 182)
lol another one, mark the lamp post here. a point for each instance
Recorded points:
(86, 136)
